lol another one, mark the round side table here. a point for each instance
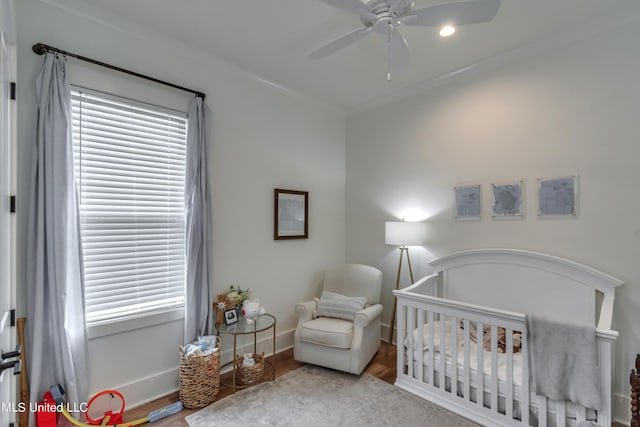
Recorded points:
(262, 323)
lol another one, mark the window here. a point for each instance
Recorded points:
(129, 160)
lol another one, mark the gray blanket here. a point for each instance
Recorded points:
(563, 361)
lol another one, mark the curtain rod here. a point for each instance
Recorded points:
(41, 49)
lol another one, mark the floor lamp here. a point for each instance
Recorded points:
(403, 234)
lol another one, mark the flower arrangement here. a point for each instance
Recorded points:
(237, 295)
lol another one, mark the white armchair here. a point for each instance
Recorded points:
(338, 343)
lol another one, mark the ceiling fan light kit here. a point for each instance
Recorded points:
(447, 31)
(385, 16)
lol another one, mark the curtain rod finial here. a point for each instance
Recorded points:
(40, 48)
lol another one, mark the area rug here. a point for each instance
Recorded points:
(312, 396)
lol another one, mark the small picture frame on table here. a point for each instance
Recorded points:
(230, 316)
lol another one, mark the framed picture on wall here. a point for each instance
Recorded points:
(291, 214)
(468, 202)
(508, 200)
(557, 197)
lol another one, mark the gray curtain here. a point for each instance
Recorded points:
(198, 222)
(55, 288)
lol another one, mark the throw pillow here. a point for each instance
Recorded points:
(340, 306)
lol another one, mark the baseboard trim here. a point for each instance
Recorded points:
(384, 331)
(621, 409)
(147, 389)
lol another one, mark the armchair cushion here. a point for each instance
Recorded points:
(336, 333)
(339, 306)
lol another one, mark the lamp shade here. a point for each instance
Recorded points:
(404, 233)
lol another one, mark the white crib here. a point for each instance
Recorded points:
(491, 289)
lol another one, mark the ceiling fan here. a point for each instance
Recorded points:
(385, 16)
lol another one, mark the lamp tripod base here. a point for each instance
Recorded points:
(403, 249)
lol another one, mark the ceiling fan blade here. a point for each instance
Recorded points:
(459, 13)
(354, 6)
(339, 43)
(398, 51)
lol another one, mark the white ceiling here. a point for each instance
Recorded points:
(271, 38)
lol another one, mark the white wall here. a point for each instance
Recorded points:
(572, 109)
(263, 138)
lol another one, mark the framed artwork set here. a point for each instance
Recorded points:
(557, 198)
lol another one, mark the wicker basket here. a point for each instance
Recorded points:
(250, 374)
(199, 379)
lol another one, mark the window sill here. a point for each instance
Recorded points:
(133, 322)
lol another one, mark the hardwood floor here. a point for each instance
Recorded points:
(382, 368)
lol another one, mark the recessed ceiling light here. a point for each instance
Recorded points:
(447, 30)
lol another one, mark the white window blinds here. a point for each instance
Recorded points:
(130, 165)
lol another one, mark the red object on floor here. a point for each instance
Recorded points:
(47, 415)
(109, 417)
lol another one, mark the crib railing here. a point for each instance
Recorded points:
(473, 379)
(479, 390)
